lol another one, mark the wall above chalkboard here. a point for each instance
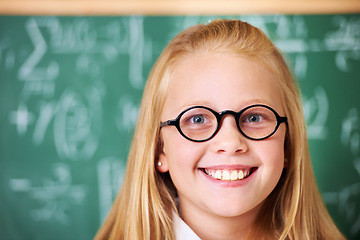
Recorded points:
(70, 88)
(176, 7)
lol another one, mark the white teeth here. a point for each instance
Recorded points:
(241, 175)
(228, 175)
(218, 174)
(234, 175)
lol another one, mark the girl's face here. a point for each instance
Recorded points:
(221, 82)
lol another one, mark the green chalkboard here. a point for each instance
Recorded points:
(70, 89)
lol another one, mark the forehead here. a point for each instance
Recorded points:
(221, 81)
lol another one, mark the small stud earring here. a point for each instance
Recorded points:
(159, 163)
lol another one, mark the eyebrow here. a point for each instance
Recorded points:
(196, 103)
(259, 101)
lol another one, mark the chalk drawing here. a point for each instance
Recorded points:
(350, 131)
(72, 37)
(21, 118)
(343, 60)
(288, 33)
(346, 41)
(357, 164)
(38, 80)
(78, 124)
(4, 44)
(111, 171)
(88, 65)
(300, 64)
(127, 113)
(116, 39)
(348, 206)
(7, 55)
(316, 110)
(346, 36)
(347, 198)
(47, 112)
(81, 36)
(290, 27)
(55, 196)
(136, 49)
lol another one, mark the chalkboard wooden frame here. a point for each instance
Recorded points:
(176, 7)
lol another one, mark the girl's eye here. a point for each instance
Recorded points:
(255, 118)
(199, 119)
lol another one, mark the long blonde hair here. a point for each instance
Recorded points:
(143, 208)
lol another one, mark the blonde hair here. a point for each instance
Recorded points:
(144, 205)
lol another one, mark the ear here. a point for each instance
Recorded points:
(163, 167)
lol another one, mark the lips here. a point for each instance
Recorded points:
(229, 174)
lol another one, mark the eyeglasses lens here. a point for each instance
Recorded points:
(198, 124)
(258, 122)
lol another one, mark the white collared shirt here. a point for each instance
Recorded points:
(182, 230)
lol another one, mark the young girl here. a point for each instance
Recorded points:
(220, 150)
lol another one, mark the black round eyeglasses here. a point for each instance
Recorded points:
(200, 124)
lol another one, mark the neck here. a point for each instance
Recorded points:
(208, 226)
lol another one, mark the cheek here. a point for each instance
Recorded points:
(272, 157)
(271, 151)
(180, 153)
(276, 161)
(182, 158)
(276, 147)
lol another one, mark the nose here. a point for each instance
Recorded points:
(228, 139)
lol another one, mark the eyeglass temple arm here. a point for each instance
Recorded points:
(167, 123)
(283, 119)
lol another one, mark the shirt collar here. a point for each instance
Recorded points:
(182, 230)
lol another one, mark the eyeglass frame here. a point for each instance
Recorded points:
(219, 115)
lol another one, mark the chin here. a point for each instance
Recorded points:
(231, 210)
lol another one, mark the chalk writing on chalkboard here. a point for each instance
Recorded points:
(316, 110)
(54, 196)
(110, 172)
(347, 198)
(345, 41)
(72, 88)
(78, 124)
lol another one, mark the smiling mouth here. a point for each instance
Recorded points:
(229, 175)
